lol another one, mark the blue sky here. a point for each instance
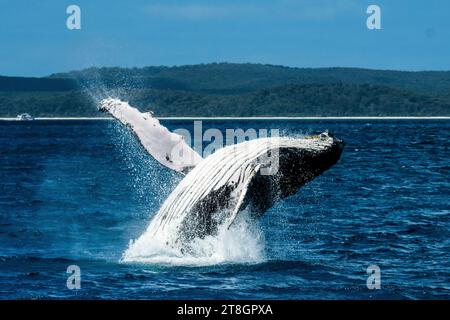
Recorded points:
(415, 34)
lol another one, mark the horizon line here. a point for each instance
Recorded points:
(232, 63)
(248, 118)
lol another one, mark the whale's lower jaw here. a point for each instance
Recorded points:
(210, 197)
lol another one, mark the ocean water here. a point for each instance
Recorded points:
(77, 193)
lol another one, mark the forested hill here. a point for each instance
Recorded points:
(237, 78)
(17, 84)
(225, 89)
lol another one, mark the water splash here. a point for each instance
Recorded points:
(242, 243)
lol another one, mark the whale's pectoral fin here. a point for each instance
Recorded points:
(166, 147)
(240, 204)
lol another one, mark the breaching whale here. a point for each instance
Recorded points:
(216, 189)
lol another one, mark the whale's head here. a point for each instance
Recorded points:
(299, 160)
(323, 152)
(305, 158)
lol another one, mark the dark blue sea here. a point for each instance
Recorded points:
(77, 192)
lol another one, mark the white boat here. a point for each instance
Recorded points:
(24, 116)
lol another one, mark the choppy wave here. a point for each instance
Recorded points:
(316, 245)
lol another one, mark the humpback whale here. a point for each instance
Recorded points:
(215, 190)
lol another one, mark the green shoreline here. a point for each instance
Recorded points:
(235, 91)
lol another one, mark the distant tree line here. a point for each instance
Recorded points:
(232, 90)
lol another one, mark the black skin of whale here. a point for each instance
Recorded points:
(296, 168)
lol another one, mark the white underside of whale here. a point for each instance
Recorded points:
(166, 147)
